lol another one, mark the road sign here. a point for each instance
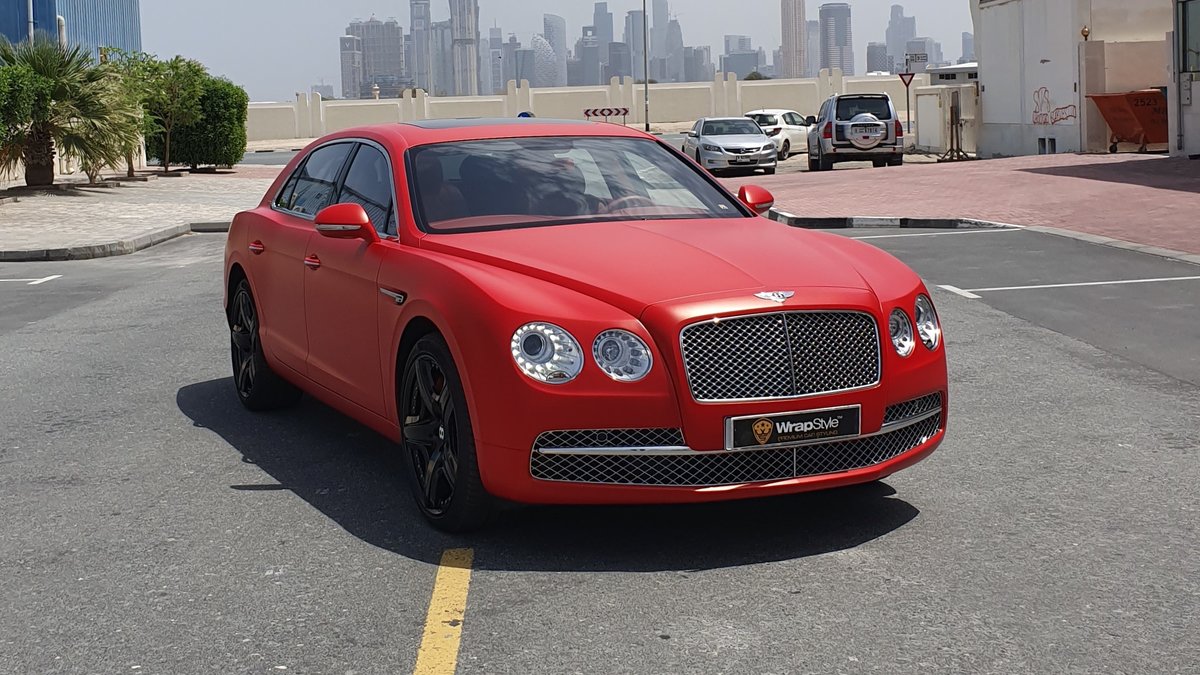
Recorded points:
(906, 78)
(919, 57)
(606, 112)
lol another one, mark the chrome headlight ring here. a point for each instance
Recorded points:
(623, 356)
(547, 353)
(901, 331)
(929, 329)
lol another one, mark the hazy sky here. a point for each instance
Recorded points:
(275, 48)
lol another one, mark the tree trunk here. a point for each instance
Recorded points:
(129, 164)
(39, 158)
(166, 150)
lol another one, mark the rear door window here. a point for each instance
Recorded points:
(849, 108)
(764, 120)
(313, 185)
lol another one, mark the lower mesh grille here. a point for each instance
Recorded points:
(913, 408)
(701, 469)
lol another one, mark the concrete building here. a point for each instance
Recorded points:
(441, 64)
(960, 73)
(602, 21)
(510, 59)
(900, 30)
(878, 60)
(698, 64)
(635, 38)
(837, 37)
(91, 24)
(932, 49)
(554, 29)
(587, 57)
(620, 61)
(1037, 66)
(741, 63)
(968, 48)
(352, 66)
(464, 24)
(794, 51)
(1183, 106)
(738, 43)
(382, 47)
(660, 23)
(420, 23)
(812, 56)
(676, 68)
(494, 61)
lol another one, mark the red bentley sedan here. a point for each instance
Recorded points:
(564, 312)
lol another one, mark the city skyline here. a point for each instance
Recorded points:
(702, 23)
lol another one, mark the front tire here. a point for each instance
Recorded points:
(438, 442)
(258, 387)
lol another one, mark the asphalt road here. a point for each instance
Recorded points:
(151, 525)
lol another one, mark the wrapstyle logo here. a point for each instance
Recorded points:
(818, 424)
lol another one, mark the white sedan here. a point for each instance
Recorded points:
(786, 128)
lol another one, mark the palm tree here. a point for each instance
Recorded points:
(84, 118)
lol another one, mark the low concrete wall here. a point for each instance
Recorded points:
(309, 116)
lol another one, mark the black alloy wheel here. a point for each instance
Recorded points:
(257, 386)
(438, 442)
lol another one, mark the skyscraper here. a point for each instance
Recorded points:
(675, 56)
(900, 30)
(602, 21)
(698, 64)
(419, 21)
(510, 59)
(495, 59)
(660, 14)
(795, 40)
(735, 44)
(464, 24)
(878, 60)
(635, 38)
(545, 63)
(352, 66)
(587, 52)
(837, 38)
(932, 49)
(620, 60)
(554, 28)
(968, 48)
(382, 47)
(812, 61)
(441, 63)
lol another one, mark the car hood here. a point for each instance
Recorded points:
(635, 264)
(744, 141)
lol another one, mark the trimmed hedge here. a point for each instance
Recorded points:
(219, 138)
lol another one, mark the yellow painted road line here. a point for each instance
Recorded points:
(438, 654)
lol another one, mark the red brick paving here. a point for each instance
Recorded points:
(1148, 200)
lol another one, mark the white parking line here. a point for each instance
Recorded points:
(34, 282)
(936, 234)
(1074, 285)
(958, 291)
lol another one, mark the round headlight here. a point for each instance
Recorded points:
(622, 355)
(547, 353)
(928, 328)
(902, 332)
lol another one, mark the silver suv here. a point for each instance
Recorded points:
(856, 128)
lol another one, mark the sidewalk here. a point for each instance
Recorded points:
(97, 222)
(1146, 200)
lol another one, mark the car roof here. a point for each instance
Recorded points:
(771, 111)
(723, 119)
(424, 132)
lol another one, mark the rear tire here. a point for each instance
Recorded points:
(879, 163)
(769, 172)
(258, 387)
(438, 442)
(826, 164)
(785, 151)
(813, 165)
(899, 161)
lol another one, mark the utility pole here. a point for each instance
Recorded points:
(645, 62)
(29, 5)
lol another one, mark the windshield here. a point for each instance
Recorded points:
(526, 182)
(849, 108)
(738, 127)
(764, 120)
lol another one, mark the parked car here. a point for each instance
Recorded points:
(856, 128)
(572, 313)
(787, 128)
(730, 144)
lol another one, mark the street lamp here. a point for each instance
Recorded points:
(645, 63)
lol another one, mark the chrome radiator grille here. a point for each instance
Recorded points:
(780, 355)
(703, 469)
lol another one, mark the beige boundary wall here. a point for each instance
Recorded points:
(309, 116)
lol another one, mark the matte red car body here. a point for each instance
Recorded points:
(330, 330)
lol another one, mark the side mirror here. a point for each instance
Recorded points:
(691, 134)
(810, 121)
(346, 221)
(757, 198)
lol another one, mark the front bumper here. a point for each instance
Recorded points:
(765, 159)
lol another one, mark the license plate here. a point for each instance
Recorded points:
(744, 160)
(865, 130)
(759, 431)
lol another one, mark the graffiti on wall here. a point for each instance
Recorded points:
(1044, 112)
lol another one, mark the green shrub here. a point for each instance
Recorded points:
(220, 136)
(24, 96)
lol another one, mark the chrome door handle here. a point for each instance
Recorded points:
(312, 262)
(256, 247)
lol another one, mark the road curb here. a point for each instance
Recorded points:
(848, 222)
(101, 250)
(210, 227)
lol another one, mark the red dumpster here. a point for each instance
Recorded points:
(1134, 117)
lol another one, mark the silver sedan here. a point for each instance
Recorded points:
(730, 144)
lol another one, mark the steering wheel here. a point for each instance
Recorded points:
(626, 202)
